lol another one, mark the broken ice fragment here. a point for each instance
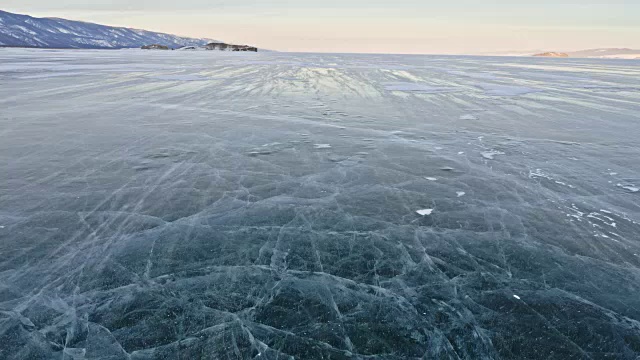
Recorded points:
(631, 188)
(425, 212)
(337, 158)
(491, 154)
(260, 152)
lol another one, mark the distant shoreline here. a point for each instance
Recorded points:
(338, 53)
(61, 48)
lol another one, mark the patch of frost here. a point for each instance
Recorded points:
(180, 78)
(418, 88)
(506, 90)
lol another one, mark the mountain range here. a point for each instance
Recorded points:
(25, 31)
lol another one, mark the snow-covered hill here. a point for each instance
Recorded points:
(27, 31)
(606, 53)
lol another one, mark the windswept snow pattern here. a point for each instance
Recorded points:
(206, 205)
(26, 31)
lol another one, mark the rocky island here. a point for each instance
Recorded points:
(228, 47)
(155, 47)
(211, 46)
(222, 47)
(553, 54)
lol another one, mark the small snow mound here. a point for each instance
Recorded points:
(425, 212)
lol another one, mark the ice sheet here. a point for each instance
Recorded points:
(271, 211)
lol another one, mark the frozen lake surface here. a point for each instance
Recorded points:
(184, 205)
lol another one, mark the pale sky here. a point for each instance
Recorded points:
(394, 26)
